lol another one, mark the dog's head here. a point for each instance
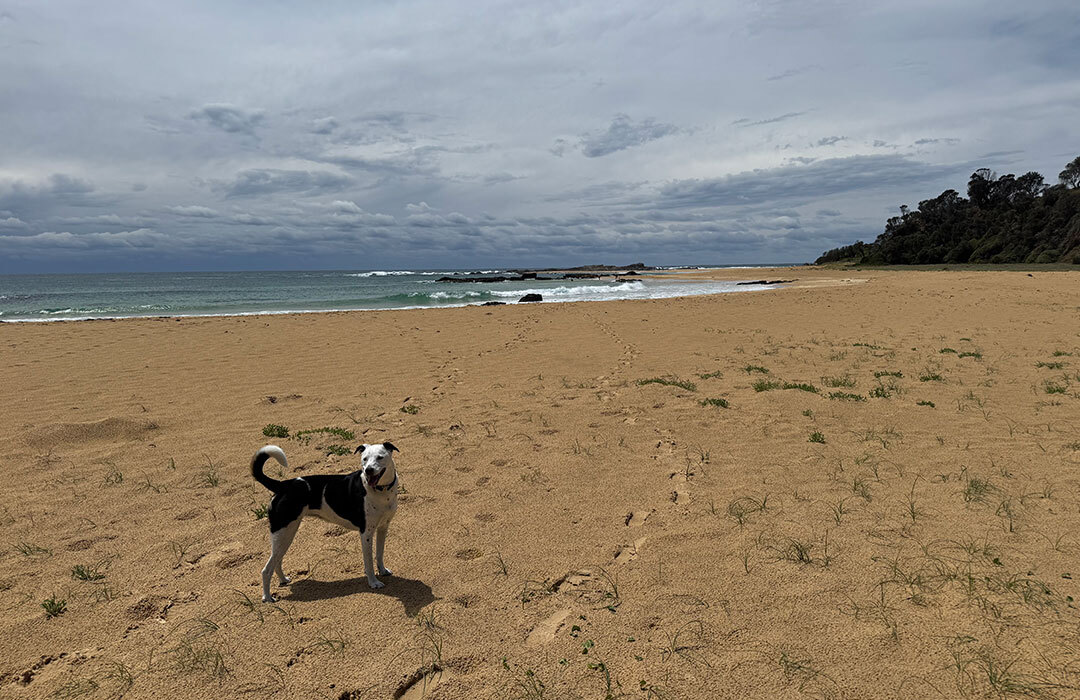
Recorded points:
(378, 463)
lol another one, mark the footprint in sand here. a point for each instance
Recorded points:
(629, 552)
(679, 495)
(546, 630)
(637, 518)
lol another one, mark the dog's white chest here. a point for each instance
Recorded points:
(379, 508)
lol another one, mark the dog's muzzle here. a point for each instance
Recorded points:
(374, 476)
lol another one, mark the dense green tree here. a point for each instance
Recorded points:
(1070, 176)
(1005, 219)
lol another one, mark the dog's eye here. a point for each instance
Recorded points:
(379, 457)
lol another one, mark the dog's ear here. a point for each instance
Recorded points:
(390, 447)
(359, 449)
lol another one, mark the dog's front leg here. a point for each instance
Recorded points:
(380, 543)
(369, 569)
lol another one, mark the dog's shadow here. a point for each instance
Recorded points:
(413, 594)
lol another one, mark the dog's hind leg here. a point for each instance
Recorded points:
(365, 539)
(380, 542)
(279, 544)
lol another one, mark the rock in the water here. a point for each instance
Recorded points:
(531, 297)
(493, 303)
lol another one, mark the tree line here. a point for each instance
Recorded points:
(1006, 219)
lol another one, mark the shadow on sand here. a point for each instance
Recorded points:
(413, 594)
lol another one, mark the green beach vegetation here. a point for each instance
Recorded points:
(1007, 219)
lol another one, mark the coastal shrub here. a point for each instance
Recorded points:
(817, 437)
(1052, 387)
(259, 511)
(1050, 365)
(276, 431)
(412, 409)
(765, 385)
(880, 392)
(750, 369)
(711, 375)
(802, 386)
(845, 381)
(868, 346)
(1062, 353)
(305, 436)
(888, 373)
(924, 402)
(971, 353)
(947, 350)
(339, 450)
(669, 381)
(845, 396)
(722, 403)
(54, 606)
(1004, 219)
(930, 376)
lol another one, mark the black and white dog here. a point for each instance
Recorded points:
(365, 500)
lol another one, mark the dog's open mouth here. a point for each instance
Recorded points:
(376, 477)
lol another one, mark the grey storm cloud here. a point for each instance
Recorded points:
(324, 125)
(229, 118)
(819, 179)
(745, 121)
(623, 133)
(262, 181)
(365, 138)
(193, 211)
(34, 199)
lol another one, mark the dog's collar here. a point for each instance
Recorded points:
(387, 487)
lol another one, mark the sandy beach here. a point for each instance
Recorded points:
(864, 485)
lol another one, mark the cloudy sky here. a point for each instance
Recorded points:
(267, 134)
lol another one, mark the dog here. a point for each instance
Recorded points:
(364, 500)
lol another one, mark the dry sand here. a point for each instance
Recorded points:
(566, 531)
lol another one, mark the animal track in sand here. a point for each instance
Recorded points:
(416, 686)
(637, 518)
(468, 554)
(628, 553)
(546, 630)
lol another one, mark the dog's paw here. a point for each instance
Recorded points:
(269, 598)
(375, 583)
(285, 580)
(385, 572)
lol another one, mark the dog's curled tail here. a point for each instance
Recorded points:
(259, 460)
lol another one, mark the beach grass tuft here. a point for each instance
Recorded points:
(54, 606)
(669, 381)
(276, 431)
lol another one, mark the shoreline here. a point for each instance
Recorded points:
(699, 275)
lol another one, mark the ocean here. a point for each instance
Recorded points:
(66, 297)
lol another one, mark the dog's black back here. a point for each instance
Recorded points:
(343, 493)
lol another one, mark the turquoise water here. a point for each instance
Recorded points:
(69, 297)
